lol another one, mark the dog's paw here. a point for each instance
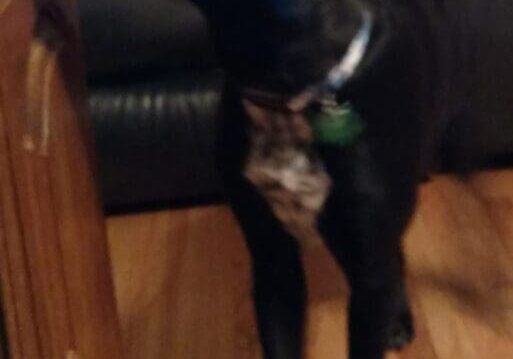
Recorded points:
(401, 329)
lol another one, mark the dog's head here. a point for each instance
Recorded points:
(281, 45)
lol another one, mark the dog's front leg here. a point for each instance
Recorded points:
(362, 223)
(279, 285)
(279, 289)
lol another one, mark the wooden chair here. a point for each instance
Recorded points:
(55, 270)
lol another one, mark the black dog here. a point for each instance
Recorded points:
(430, 67)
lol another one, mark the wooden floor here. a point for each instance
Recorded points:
(183, 284)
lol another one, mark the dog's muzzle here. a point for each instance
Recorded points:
(335, 80)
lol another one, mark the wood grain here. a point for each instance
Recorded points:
(3, 5)
(55, 268)
(183, 284)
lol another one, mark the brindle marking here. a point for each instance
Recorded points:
(285, 168)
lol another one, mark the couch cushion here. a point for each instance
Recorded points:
(127, 37)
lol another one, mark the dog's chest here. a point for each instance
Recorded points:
(286, 170)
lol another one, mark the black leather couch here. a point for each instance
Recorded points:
(154, 90)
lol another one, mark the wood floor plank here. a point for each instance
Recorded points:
(184, 288)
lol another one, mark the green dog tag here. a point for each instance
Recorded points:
(337, 125)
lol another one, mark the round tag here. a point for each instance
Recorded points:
(337, 125)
